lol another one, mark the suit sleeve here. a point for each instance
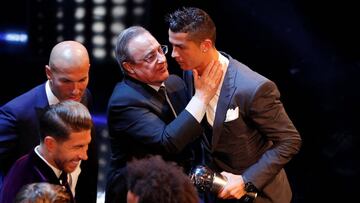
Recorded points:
(86, 187)
(147, 128)
(267, 113)
(8, 138)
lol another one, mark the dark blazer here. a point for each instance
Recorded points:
(19, 133)
(30, 168)
(261, 140)
(140, 125)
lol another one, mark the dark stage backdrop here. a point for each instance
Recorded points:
(310, 49)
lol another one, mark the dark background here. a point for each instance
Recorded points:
(309, 48)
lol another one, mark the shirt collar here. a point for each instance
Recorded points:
(224, 65)
(50, 95)
(155, 87)
(56, 171)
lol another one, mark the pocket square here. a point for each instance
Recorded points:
(232, 114)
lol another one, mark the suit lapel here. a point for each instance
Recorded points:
(45, 173)
(227, 91)
(150, 95)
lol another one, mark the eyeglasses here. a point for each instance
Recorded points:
(150, 58)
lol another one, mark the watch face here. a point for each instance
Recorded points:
(249, 187)
(251, 192)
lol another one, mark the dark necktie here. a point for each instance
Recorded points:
(64, 182)
(166, 100)
(208, 130)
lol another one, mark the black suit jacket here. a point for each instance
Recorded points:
(252, 134)
(19, 133)
(139, 125)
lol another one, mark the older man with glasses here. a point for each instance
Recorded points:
(150, 111)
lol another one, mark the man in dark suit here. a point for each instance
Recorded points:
(68, 76)
(65, 133)
(250, 135)
(141, 120)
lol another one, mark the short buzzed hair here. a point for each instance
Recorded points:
(194, 21)
(59, 120)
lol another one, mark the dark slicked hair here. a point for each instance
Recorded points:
(122, 44)
(155, 181)
(59, 120)
(194, 21)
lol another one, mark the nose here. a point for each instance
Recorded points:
(76, 89)
(83, 155)
(162, 58)
(174, 53)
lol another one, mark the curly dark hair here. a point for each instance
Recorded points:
(194, 21)
(155, 181)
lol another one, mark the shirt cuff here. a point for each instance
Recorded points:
(196, 108)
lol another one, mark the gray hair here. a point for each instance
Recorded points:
(122, 44)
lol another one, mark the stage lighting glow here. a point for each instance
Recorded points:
(59, 14)
(59, 27)
(58, 39)
(138, 11)
(14, 37)
(99, 11)
(118, 1)
(79, 27)
(139, 1)
(116, 28)
(98, 27)
(99, 40)
(80, 38)
(99, 53)
(80, 12)
(99, 1)
(118, 11)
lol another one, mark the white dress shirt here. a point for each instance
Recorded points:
(73, 176)
(198, 109)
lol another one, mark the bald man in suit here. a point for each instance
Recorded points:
(68, 77)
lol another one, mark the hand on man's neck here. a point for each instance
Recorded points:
(212, 55)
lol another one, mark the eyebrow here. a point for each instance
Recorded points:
(151, 52)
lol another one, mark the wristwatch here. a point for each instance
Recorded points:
(251, 192)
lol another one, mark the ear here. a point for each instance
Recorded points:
(205, 45)
(50, 143)
(128, 68)
(131, 197)
(48, 72)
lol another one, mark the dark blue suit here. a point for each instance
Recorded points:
(19, 133)
(260, 140)
(30, 168)
(140, 123)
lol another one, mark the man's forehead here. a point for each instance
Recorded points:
(142, 44)
(179, 38)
